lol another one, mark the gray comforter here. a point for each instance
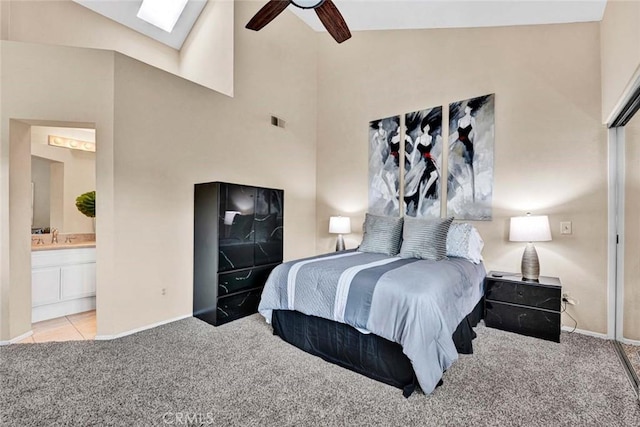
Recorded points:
(416, 303)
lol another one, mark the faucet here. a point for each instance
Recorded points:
(54, 236)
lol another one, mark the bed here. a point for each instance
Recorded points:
(399, 320)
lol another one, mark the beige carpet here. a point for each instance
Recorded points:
(190, 373)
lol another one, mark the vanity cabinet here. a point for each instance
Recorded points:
(238, 235)
(63, 282)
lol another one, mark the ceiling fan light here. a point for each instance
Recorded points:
(307, 4)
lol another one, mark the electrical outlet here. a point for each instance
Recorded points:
(565, 227)
(566, 298)
(163, 291)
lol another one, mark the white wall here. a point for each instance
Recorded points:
(19, 203)
(4, 20)
(76, 88)
(193, 135)
(620, 51)
(157, 135)
(41, 179)
(206, 57)
(550, 146)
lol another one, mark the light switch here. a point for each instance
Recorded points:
(565, 227)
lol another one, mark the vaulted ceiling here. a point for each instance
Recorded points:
(362, 15)
(415, 14)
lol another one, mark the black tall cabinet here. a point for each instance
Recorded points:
(238, 235)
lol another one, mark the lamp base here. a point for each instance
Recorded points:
(340, 243)
(530, 265)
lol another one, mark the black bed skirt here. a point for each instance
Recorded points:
(366, 354)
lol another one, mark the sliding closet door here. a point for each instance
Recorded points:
(631, 281)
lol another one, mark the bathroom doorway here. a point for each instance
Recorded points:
(63, 238)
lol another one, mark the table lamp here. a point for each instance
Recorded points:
(530, 228)
(340, 225)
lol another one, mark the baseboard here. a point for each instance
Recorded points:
(630, 342)
(583, 332)
(62, 308)
(599, 335)
(17, 339)
(143, 328)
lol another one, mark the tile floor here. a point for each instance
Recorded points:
(76, 327)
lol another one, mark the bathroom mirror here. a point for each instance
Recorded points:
(60, 172)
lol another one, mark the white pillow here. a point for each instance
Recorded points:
(464, 241)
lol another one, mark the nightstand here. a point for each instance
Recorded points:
(521, 306)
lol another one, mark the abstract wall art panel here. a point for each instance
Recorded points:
(471, 141)
(423, 162)
(384, 166)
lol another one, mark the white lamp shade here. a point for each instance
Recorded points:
(530, 229)
(339, 225)
(229, 216)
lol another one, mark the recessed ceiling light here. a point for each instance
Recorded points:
(162, 13)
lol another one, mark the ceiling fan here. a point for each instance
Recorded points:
(325, 9)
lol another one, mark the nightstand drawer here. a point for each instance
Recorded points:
(529, 294)
(522, 320)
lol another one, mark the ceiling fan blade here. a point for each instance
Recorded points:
(267, 14)
(333, 21)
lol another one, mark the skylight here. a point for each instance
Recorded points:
(162, 13)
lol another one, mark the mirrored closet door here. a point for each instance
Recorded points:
(626, 137)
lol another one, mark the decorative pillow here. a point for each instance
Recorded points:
(425, 238)
(464, 241)
(382, 235)
(241, 228)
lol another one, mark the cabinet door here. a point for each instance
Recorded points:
(236, 218)
(78, 281)
(45, 286)
(268, 226)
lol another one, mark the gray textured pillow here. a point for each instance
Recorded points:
(425, 238)
(382, 235)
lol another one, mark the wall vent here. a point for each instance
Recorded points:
(277, 121)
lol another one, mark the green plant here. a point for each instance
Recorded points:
(86, 203)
